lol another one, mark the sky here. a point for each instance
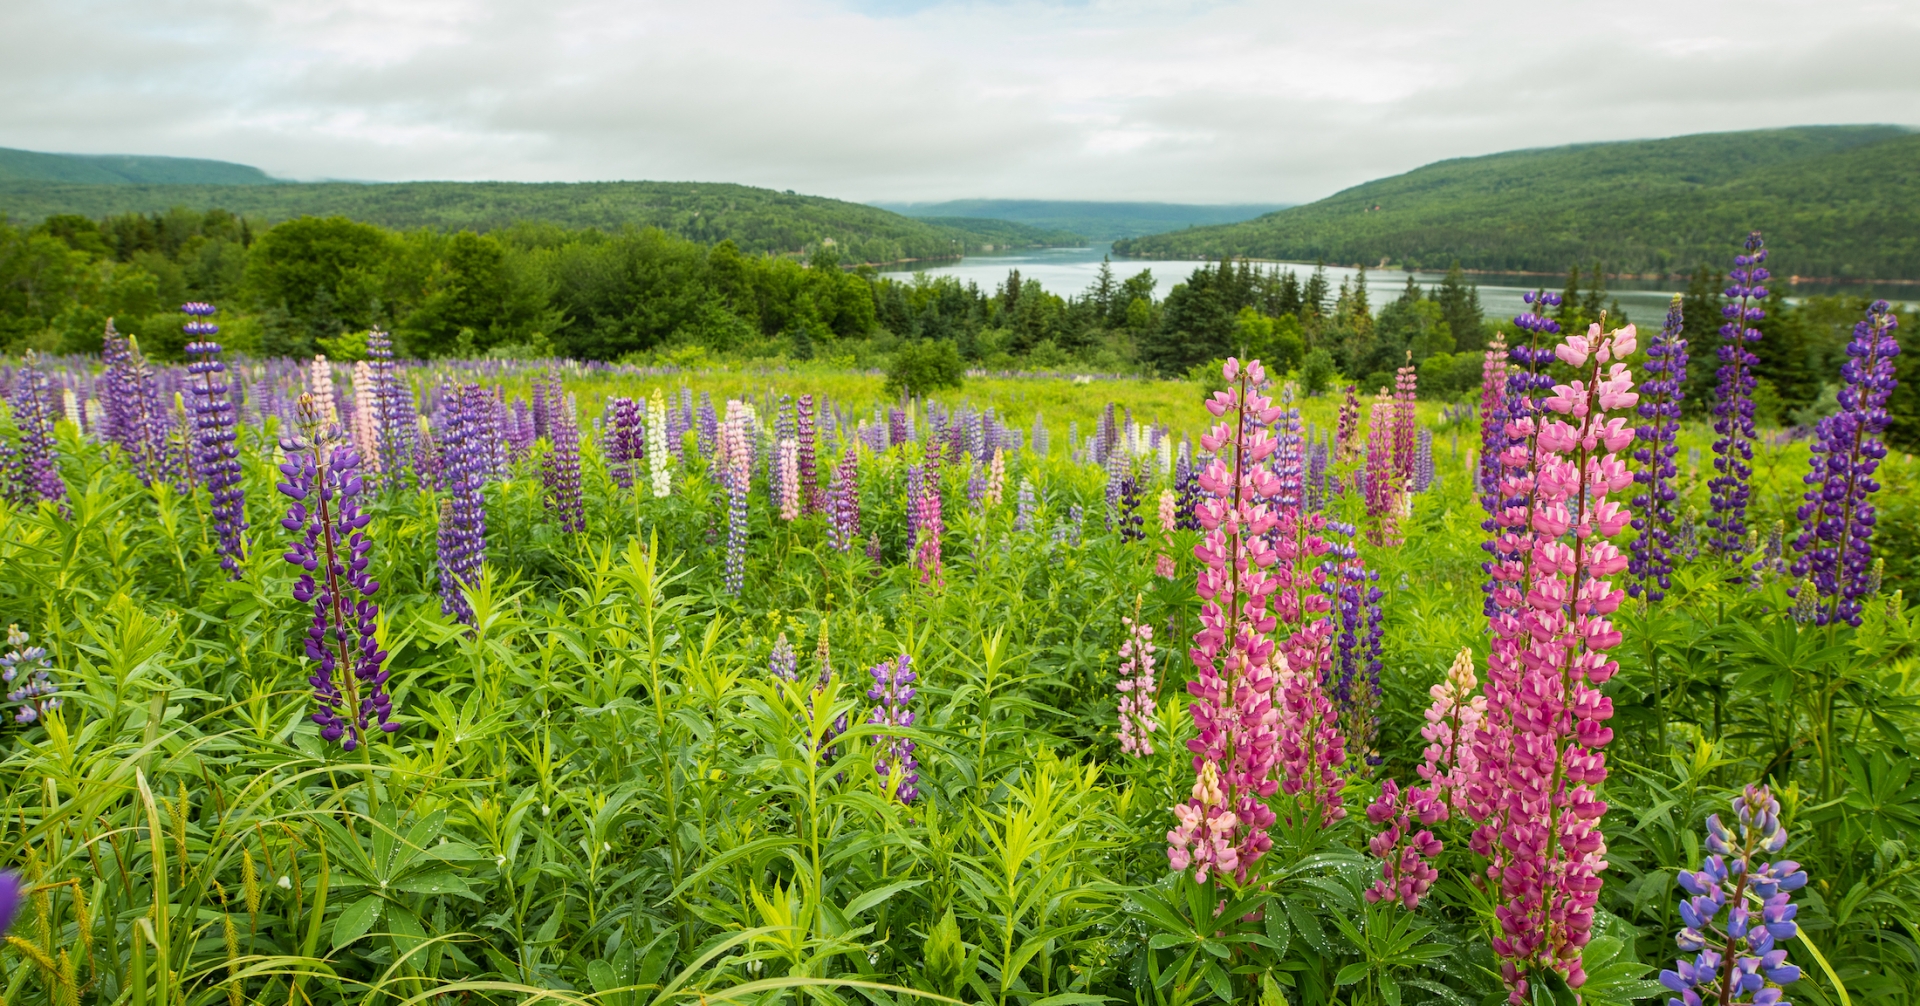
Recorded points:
(1265, 101)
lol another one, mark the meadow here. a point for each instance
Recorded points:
(537, 681)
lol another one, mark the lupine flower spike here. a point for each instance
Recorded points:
(1457, 709)
(1406, 868)
(216, 457)
(1660, 396)
(892, 693)
(1733, 400)
(29, 668)
(1138, 702)
(1738, 911)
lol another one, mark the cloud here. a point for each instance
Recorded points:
(1178, 100)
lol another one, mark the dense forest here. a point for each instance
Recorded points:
(313, 284)
(1100, 221)
(1834, 201)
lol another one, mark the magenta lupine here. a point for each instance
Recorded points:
(349, 680)
(1660, 394)
(1837, 519)
(892, 693)
(1382, 477)
(1738, 911)
(1223, 827)
(1406, 868)
(216, 455)
(560, 466)
(1448, 761)
(1138, 708)
(1551, 849)
(1729, 490)
(34, 474)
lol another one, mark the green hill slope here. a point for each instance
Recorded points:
(1834, 201)
(758, 220)
(124, 169)
(1097, 220)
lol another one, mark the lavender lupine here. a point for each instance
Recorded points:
(893, 693)
(1651, 564)
(783, 663)
(216, 455)
(331, 547)
(394, 413)
(1730, 488)
(35, 468)
(1493, 436)
(463, 516)
(28, 666)
(1039, 435)
(1138, 704)
(1024, 506)
(734, 455)
(1422, 463)
(660, 446)
(134, 418)
(1346, 431)
(1354, 676)
(1223, 826)
(627, 442)
(804, 457)
(560, 467)
(1738, 912)
(843, 502)
(1837, 519)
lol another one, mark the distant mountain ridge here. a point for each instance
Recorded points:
(1101, 221)
(1833, 201)
(124, 169)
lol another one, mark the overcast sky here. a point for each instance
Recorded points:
(1277, 101)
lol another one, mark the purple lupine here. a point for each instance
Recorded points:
(896, 427)
(809, 473)
(465, 465)
(1423, 461)
(1024, 506)
(216, 455)
(35, 469)
(1353, 677)
(893, 693)
(843, 502)
(782, 663)
(626, 441)
(135, 418)
(542, 409)
(520, 431)
(1729, 490)
(1837, 519)
(1039, 435)
(322, 480)
(1738, 911)
(709, 426)
(393, 410)
(560, 466)
(1131, 524)
(28, 665)
(1651, 563)
(1526, 374)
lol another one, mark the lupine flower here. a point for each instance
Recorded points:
(843, 502)
(783, 664)
(1733, 399)
(1539, 749)
(896, 428)
(997, 477)
(1493, 436)
(1354, 676)
(28, 666)
(463, 516)
(216, 456)
(816, 708)
(1382, 484)
(1422, 463)
(660, 445)
(1837, 520)
(323, 481)
(893, 693)
(35, 468)
(1457, 710)
(789, 466)
(1075, 524)
(734, 455)
(1738, 911)
(560, 467)
(1024, 506)
(366, 418)
(1137, 689)
(928, 526)
(709, 426)
(1163, 564)
(1346, 431)
(1316, 487)
(394, 413)
(1406, 872)
(320, 386)
(1039, 435)
(134, 418)
(1660, 395)
(1406, 398)
(13, 893)
(804, 458)
(1131, 524)
(1223, 827)
(626, 442)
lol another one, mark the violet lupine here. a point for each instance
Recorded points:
(1346, 431)
(897, 433)
(1223, 827)
(1039, 435)
(843, 502)
(1406, 868)
(660, 446)
(788, 465)
(393, 409)
(1651, 564)
(1354, 676)
(464, 467)
(37, 695)
(1138, 705)
(893, 693)
(626, 442)
(1448, 761)
(1382, 482)
(216, 455)
(928, 525)
(331, 546)
(560, 467)
(804, 458)
(1550, 850)
(1730, 488)
(1738, 911)
(783, 663)
(35, 469)
(1132, 525)
(1837, 519)
(1422, 463)
(134, 418)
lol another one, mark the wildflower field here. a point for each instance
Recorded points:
(481, 682)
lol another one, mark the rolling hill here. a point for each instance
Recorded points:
(1096, 220)
(124, 169)
(1833, 201)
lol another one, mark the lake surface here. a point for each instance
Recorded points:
(1070, 271)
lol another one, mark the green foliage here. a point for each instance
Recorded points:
(922, 367)
(1097, 220)
(124, 169)
(1834, 201)
(1317, 373)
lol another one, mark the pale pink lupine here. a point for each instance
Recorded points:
(1383, 485)
(1163, 564)
(1456, 712)
(789, 461)
(1534, 790)
(1137, 690)
(1406, 398)
(1406, 870)
(366, 435)
(1224, 826)
(320, 386)
(996, 478)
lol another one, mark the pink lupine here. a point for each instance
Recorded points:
(789, 463)
(1540, 745)
(1456, 712)
(1382, 481)
(1406, 870)
(997, 478)
(1224, 826)
(1406, 398)
(1137, 688)
(1163, 565)
(928, 523)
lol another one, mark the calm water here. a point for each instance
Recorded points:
(1072, 270)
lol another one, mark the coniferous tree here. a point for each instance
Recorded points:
(1460, 305)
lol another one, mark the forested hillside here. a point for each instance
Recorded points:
(1101, 221)
(124, 169)
(1834, 201)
